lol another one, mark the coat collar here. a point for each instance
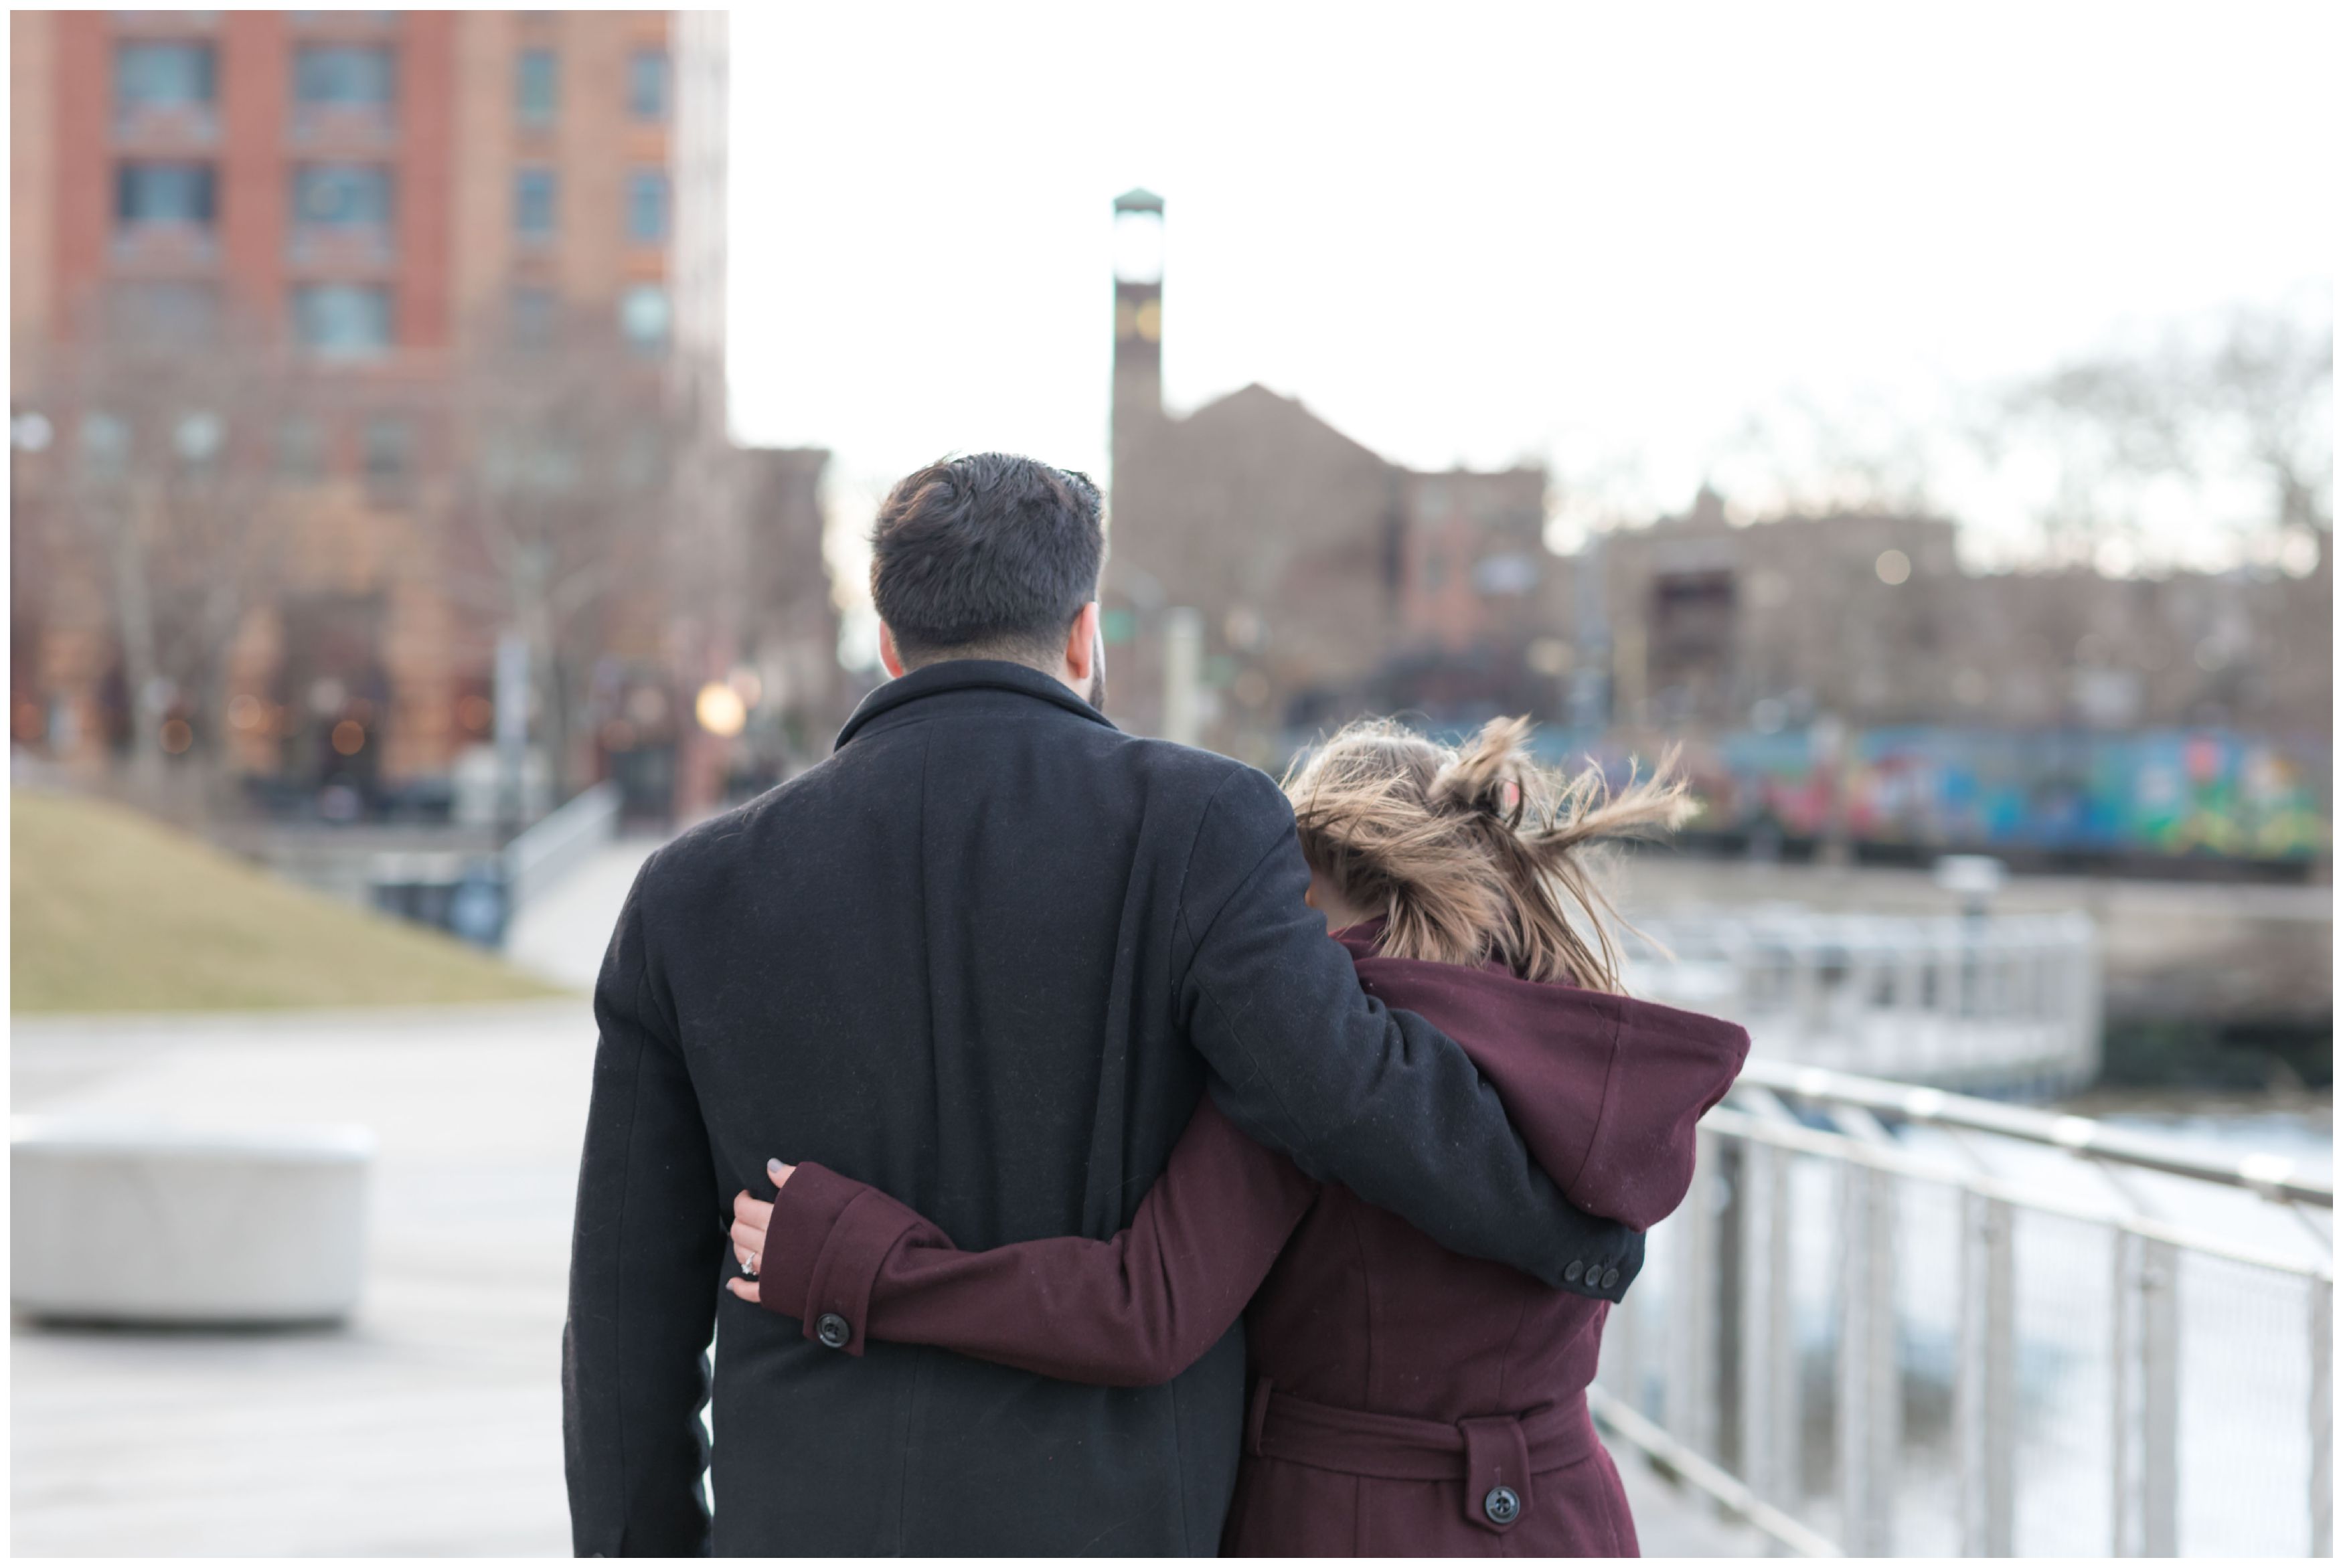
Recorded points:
(967, 675)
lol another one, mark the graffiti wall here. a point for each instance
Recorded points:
(2170, 792)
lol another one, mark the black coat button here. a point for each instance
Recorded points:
(833, 1330)
(1610, 1277)
(1503, 1505)
(1572, 1273)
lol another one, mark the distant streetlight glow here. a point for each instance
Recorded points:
(719, 710)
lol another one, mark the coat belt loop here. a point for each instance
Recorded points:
(1496, 1471)
(1257, 1416)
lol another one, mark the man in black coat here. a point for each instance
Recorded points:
(985, 958)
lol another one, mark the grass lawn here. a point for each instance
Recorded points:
(113, 912)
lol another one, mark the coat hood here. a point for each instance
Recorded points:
(1604, 1089)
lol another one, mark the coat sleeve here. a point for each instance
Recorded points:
(1374, 1099)
(1133, 1311)
(647, 1252)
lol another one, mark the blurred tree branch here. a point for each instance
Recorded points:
(569, 436)
(2247, 401)
(167, 479)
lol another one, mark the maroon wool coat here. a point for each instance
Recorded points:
(1407, 1401)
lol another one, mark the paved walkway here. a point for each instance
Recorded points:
(562, 935)
(430, 1425)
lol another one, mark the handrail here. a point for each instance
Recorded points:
(1732, 1346)
(1800, 1138)
(2273, 1176)
(547, 844)
(1653, 1438)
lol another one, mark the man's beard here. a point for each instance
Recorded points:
(1096, 695)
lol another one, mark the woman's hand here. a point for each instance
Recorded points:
(750, 1219)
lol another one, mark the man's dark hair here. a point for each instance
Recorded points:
(985, 557)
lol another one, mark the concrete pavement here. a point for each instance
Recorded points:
(431, 1424)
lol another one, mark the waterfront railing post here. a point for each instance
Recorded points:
(1730, 1189)
(1985, 1388)
(2322, 1418)
(1690, 1399)
(2147, 1397)
(1869, 1395)
(1769, 1371)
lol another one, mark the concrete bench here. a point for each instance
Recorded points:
(129, 1222)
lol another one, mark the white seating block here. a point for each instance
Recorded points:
(129, 1222)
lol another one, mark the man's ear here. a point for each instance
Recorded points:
(887, 653)
(1081, 641)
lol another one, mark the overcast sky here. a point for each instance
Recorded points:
(1599, 236)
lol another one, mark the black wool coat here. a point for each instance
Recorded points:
(985, 958)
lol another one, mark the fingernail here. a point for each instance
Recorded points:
(772, 1167)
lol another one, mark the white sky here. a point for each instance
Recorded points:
(1598, 235)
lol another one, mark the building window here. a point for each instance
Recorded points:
(644, 316)
(646, 206)
(342, 195)
(166, 194)
(647, 84)
(344, 76)
(301, 448)
(533, 203)
(163, 76)
(342, 320)
(538, 91)
(389, 450)
(1510, 574)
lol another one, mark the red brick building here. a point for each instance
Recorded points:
(372, 192)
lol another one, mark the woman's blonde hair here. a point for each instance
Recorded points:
(1470, 855)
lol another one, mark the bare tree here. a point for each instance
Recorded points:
(2218, 411)
(570, 437)
(171, 411)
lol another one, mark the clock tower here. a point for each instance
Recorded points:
(1137, 315)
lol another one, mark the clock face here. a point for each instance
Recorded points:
(1139, 247)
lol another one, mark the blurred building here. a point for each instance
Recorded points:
(788, 615)
(1328, 579)
(1870, 618)
(392, 198)
(1284, 578)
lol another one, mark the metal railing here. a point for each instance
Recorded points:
(559, 842)
(1888, 1319)
(1961, 1001)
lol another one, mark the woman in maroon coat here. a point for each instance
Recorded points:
(1407, 1401)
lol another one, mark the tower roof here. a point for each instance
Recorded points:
(1138, 199)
